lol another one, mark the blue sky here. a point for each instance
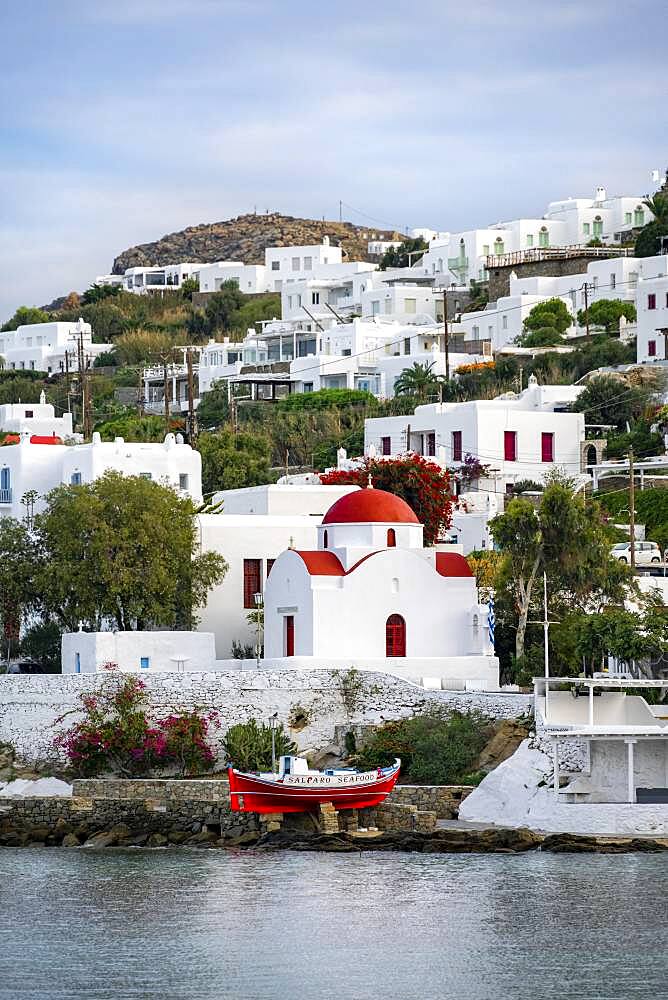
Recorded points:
(122, 120)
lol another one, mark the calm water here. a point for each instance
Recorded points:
(161, 925)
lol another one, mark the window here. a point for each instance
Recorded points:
(598, 226)
(651, 301)
(289, 302)
(543, 237)
(77, 663)
(5, 484)
(289, 635)
(391, 538)
(388, 307)
(547, 447)
(529, 239)
(456, 446)
(275, 265)
(627, 218)
(613, 280)
(145, 475)
(651, 348)
(431, 443)
(639, 216)
(585, 228)
(499, 246)
(252, 581)
(510, 446)
(410, 305)
(295, 263)
(485, 250)
(325, 539)
(504, 322)
(144, 662)
(395, 636)
(308, 386)
(315, 298)
(308, 263)
(30, 413)
(183, 480)
(407, 345)
(386, 446)
(270, 563)
(375, 307)
(476, 332)
(75, 479)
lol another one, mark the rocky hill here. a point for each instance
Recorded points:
(245, 238)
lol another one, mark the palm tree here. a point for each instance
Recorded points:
(658, 206)
(419, 381)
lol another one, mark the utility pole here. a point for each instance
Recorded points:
(340, 211)
(68, 388)
(586, 301)
(140, 394)
(447, 335)
(632, 511)
(87, 403)
(546, 633)
(166, 391)
(192, 419)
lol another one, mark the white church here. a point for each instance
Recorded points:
(371, 596)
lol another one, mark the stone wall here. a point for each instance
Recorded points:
(310, 704)
(499, 277)
(442, 800)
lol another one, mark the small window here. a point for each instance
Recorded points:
(29, 414)
(375, 307)
(431, 443)
(145, 662)
(275, 265)
(308, 387)
(386, 446)
(510, 446)
(613, 281)
(315, 298)
(183, 481)
(410, 305)
(145, 475)
(504, 322)
(543, 237)
(529, 239)
(252, 581)
(295, 263)
(651, 301)
(639, 216)
(325, 539)
(77, 663)
(651, 348)
(391, 538)
(407, 345)
(308, 263)
(627, 218)
(585, 228)
(75, 479)
(456, 446)
(598, 226)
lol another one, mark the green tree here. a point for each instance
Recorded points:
(607, 313)
(133, 428)
(565, 539)
(629, 636)
(649, 239)
(231, 461)
(607, 400)
(140, 345)
(553, 313)
(404, 255)
(24, 316)
(221, 307)
(122, 550)
(20, 562)
(107, 319)
(419, 381)
(546, 336)
(188, 288)
(41, 643)
(98, 293)
(248, 745)
(214, 407)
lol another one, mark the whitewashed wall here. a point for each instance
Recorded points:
(30, 705)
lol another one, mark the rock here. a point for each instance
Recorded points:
(244, 839)
(108, 838)
(156, 840)
(565, 843)
(203, 837)
(70, 840)
(502, 745)
(177, 836)
(134, 840)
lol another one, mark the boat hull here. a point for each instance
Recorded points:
(251, 793)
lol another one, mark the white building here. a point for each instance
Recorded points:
(35, 418)
(652, 306)
(144, 280)
(89, 652)
(44, 347)
(523, 436)
(256, 525)
(612, 220)
(371, 596)
(41, 466)
(501, 322)
(251, 278)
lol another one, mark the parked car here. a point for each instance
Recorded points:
(646, 553)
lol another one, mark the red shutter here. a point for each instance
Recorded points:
(289, 635)
(547, 447)
(510, 446)
(431, 443)
(270, 563)
(386, 446)
(651, 348)
(252, 581)
(651, 301)
(395, 636)
(456, 446)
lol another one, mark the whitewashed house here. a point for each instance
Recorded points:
(35, 418)
(652, 306)
(362, 597)
(44, 463)
(612, 220)
(91, 652)
(519, 436)
(44, 347)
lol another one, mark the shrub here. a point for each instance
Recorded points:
(115, 735)
(248, 745)
(434, 749)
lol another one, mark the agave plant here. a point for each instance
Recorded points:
(248, 745)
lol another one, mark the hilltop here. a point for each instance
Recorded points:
(245, 239)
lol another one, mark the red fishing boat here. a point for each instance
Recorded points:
(298, 789)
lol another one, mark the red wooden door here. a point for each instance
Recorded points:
(395, 636)
(547, 447)
(510, 446)
(290, 635)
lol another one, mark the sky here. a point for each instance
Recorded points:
(123, 120)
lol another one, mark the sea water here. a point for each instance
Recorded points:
(212, 925)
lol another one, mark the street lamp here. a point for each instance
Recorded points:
(258, 609)
(273, 725)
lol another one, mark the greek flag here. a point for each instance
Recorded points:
(491, 620)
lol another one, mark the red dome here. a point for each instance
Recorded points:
(370, 505)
